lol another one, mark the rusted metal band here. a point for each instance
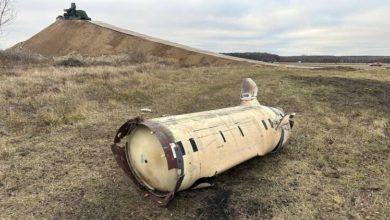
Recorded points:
(171, 194)
(120, 153)
(279, 146)
(166, 139)
(135, 177)
(126, 128)
(120, 157)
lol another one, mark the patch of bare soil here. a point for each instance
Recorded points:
(216, 205)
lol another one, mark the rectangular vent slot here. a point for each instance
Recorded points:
(242, 133)
(223, 137)
(265, 125)
(270, 122)
(193, 145)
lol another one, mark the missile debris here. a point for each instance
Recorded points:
(147, 110)
(174, 153)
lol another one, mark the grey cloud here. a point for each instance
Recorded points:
(286, 27)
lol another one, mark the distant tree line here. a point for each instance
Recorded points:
(267, 57)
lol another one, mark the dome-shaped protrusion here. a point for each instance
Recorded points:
(249, 92)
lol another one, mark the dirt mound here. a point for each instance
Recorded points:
(97, 38)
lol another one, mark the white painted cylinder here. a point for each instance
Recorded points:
(170, 154)
(211, 143)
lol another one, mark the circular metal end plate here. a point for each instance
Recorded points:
(147, 158)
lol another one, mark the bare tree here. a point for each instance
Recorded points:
(7, 12)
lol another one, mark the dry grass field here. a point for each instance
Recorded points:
(57, 123)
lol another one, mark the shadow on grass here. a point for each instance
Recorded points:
(230, 197)
(226, 200)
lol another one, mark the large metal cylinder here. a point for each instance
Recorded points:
(174, 153)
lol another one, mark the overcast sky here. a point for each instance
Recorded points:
(285, 27)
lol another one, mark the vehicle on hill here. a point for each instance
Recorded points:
(73, 14)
